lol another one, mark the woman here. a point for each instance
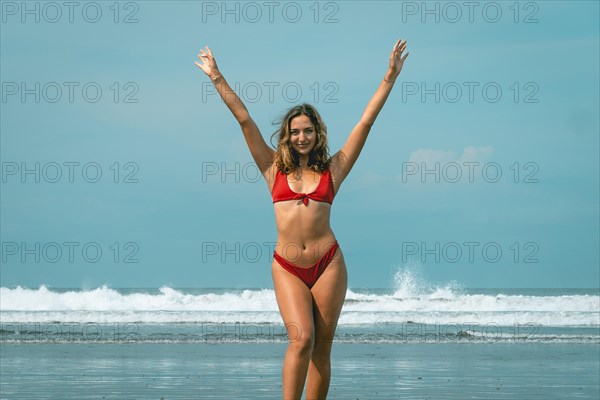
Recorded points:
(309, 272)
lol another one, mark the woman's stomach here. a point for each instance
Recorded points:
(303, 231)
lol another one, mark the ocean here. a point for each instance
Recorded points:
(413, 341)
(410, 312)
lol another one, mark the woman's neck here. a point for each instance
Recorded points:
(303, 162)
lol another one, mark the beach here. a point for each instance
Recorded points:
(399, 343)
(252, 371)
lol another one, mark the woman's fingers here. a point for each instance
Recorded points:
(401, 47)
(398, 55)
(207, 61)
(199, 65)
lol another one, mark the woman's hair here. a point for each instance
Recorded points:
(286, 158)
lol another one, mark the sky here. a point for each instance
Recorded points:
(121, 166)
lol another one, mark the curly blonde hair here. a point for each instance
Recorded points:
(286, 158)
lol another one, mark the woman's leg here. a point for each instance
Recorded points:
(328, 297)
(296, 307)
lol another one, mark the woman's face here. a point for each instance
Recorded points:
(303, 136)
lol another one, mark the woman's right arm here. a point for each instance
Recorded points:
(263, 155)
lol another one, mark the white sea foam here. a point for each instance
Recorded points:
(413, 300)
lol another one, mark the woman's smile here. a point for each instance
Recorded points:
(302, 132)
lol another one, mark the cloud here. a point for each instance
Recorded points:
(469, 154)
(472, 153)
(446, 166)
(431, 156)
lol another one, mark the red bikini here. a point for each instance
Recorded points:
(323, 193)
(311, 274)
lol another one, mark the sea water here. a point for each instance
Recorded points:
(412, 311)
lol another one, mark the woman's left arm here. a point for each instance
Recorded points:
(344, 159)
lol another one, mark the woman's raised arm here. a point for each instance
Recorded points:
(344, 159)
(263, 155)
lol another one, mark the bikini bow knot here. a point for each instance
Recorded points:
(302, 196)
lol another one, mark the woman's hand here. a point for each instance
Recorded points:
(397, 60)
(209, 65)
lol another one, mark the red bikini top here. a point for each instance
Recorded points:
(323, 192)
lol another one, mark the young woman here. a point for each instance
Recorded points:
(309, 272)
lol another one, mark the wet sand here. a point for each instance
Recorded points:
(253, 371)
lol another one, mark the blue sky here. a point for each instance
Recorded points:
(502, 100)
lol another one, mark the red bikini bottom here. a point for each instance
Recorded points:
(308, 275)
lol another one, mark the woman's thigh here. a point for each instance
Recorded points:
(295, 304)
(329, 293)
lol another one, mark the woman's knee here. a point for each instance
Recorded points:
(321, 351)
(321, 356)
(301, 340)
(325, 334)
